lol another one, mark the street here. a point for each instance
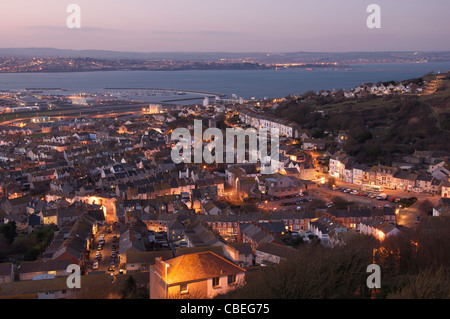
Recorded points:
(106, 251)
(406, 217)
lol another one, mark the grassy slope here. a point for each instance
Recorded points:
(399, 124)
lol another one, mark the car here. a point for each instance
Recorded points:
(95, 265)
(329, 205)
(183, 244)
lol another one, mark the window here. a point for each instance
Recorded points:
(231, 279)
(184, 289)
(216, 281)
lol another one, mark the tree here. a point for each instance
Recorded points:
(428, 284)
(32, 254)
(130, 290)
(315, 272)
(128, 287)
(425, 206)
(331, 181)
(9, 230)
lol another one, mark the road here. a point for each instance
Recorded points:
(102, 111)
(406, 216)
(104, 263)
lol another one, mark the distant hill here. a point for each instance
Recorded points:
(264, 57)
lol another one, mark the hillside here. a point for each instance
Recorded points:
(380, 128)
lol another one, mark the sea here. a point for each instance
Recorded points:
(248, 84)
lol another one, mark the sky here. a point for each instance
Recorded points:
(227, 25)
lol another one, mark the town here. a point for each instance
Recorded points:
(101, 191)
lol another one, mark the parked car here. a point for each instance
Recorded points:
(95, 265)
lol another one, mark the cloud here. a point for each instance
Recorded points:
(65, 28)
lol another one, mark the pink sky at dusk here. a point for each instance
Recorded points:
(227, 26)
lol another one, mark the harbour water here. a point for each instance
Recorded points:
(243, 83)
